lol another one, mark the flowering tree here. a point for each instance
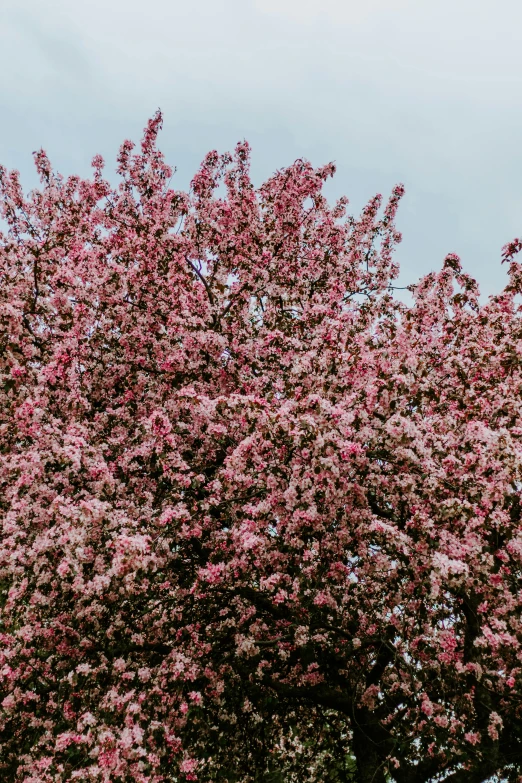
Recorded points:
(261, 521)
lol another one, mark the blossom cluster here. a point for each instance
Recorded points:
(258, 516)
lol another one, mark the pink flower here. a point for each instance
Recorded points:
(63, 568)
(238, 471)
(188, 765)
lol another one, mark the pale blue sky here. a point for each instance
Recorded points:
(427, 93)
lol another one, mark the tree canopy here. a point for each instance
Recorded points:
(260, 519)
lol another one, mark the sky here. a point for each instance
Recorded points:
(424, 93)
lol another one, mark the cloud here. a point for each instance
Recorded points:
(346, 12)
(425, 93)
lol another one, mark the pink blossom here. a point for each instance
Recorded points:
(244, 485)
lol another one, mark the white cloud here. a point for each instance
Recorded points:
(426, 93)
(338, 11)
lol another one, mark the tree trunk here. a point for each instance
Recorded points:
(370, 767)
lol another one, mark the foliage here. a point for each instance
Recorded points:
(260, 520)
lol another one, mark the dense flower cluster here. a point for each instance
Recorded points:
(260, 520)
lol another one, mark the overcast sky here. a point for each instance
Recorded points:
(422, 92)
